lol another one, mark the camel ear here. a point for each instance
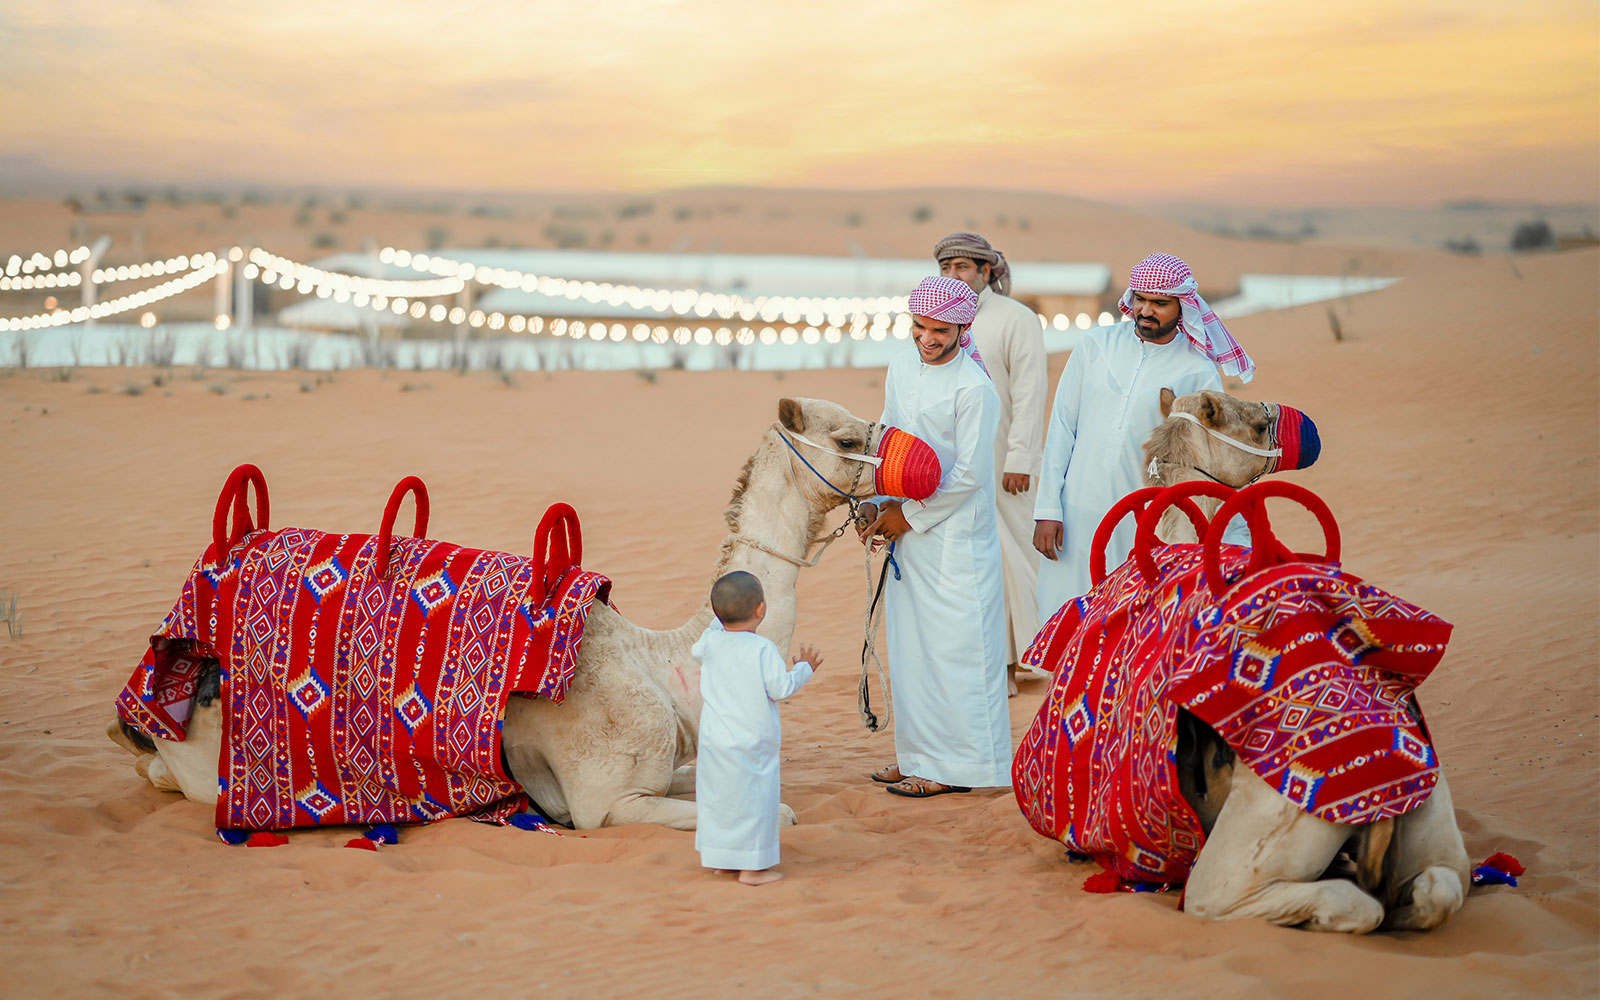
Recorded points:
(1167, 396)
(791, 416)
(1210, 412)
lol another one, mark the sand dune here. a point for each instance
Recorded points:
(1459, 417)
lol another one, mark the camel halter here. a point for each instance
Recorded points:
(1153, 470)
(850, 498)
(869, 627)
(1225, 439)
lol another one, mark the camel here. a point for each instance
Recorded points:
(1263, 856)
(616, 751)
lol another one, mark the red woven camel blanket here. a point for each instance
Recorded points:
(1306, 671)
(354, 696)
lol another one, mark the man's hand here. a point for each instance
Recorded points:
(1015, 482)
(1047, 538)
(865, 515)
(891, 523)
(807, 654)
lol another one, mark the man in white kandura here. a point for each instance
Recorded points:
(1008, 337)
(1107, 403)
(944, 611)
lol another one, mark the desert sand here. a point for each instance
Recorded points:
(1459, 416)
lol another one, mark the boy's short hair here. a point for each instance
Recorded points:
(735, 597)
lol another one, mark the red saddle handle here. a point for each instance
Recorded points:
(235, 493)
(1265, 548)
(1132, 503)
(419, 489)
(1145, 540)
(557, 544)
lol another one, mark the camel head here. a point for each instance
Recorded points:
(832, 432)
(1179, 444)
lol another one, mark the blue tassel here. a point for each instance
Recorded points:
(383, 833)
(892, 563)
(233, 837)
(1485, 875)
(529, 821)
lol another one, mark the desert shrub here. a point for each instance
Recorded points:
(1533, 235)
(436, 237)
(1464, 245)
(922, 213)
(324, 240)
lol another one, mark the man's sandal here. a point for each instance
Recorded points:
(888, 775)
(922, 788)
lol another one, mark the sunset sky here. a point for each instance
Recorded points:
(1243, 101)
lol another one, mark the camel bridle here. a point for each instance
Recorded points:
(854, 502)
(1153, 473)
(869, 652)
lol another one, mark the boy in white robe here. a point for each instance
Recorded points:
(736, 783)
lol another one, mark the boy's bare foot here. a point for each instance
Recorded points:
(760, 878)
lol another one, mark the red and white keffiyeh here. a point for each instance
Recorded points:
(945, 299)
(1163, 274)
(952, 301)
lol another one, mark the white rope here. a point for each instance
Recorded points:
(1263, 452)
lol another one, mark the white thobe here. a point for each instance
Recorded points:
(1011, 341)
(736, 786)
(945, 614)
(1107, 403)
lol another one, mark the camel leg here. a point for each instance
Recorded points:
(644, 807)
(682, 781)
(1262, 860)
(1431, 869)
(153, 769)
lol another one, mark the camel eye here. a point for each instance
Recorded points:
(1261, 428)
(849, 444)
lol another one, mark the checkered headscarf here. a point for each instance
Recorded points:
(1162, 274)
(951, 301)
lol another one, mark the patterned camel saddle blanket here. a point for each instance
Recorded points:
(351, 695)
(1306, 671)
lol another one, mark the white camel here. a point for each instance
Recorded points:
(1263, 855)
(616, 751)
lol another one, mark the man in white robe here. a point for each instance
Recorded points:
(1107, 403)
(944, 610)
(1007, 335)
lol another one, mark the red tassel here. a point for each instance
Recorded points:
(266, 838)
(361, 842)
(1505, 863)
(1103, 882)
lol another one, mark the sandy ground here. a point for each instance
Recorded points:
(1459, 416)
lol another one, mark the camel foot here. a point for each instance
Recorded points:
(760, 878)
(786, 817)
(151, 767)
(1435, 895)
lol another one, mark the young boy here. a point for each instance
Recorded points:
(742, 679)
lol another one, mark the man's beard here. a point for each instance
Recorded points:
(955, 345)
(1160, 332)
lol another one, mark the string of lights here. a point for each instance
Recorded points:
(209, 267)
(767, 319)
(17, 264)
